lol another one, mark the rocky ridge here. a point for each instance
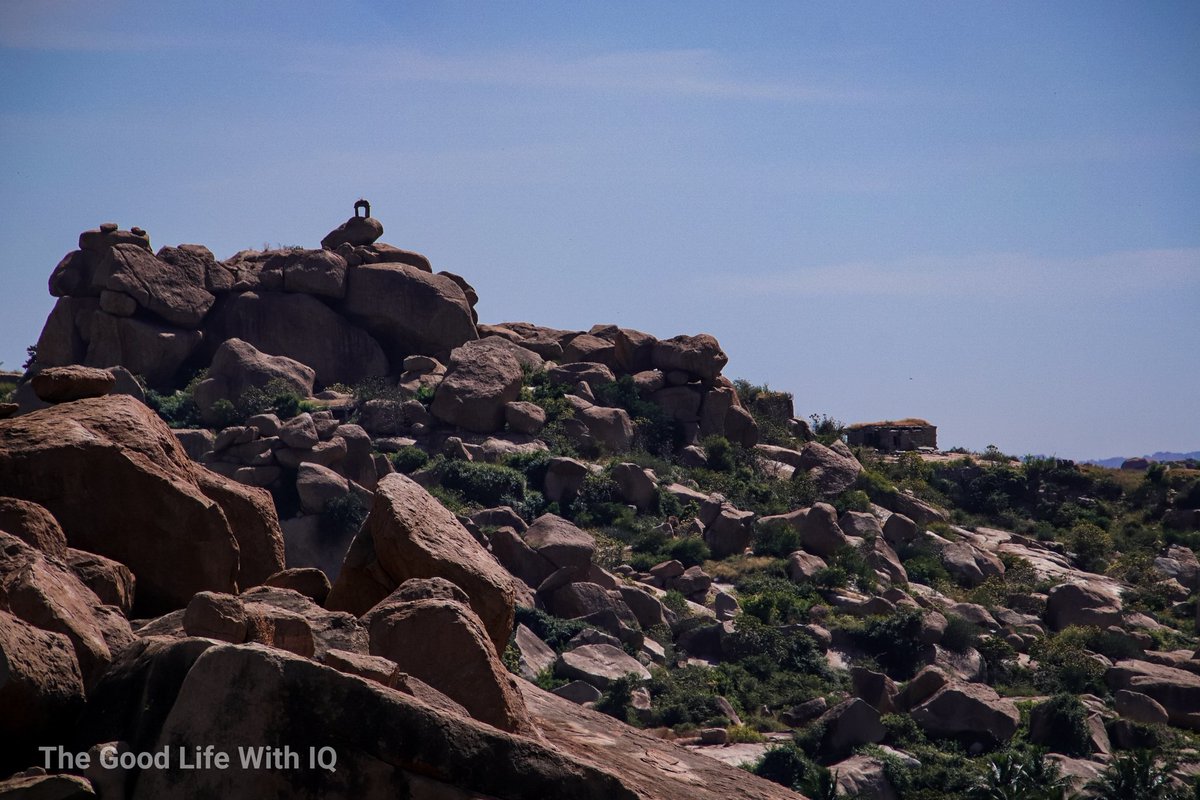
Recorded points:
(483, 536)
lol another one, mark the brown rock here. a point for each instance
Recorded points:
(174, 537)
(316, 272)
(46, 787)
(700, 355)
(393, 740)
(409, 311)
(356, 231)
(409, 534)
(534, 655)
(818, 529)
(63, 384)
(213, 615)
(1076, 604)
(483, 376)
(638, 486)
(1140, 708)
(560, 542)
(145, 348)
(175, 295)
(111, 581)
(33, 525)
(280, 628)
(308, 581)
(251, 515)
(301, 328)
(524, 417)
(41, 690)
(849, 724)
(44, 592)
(968, 709)
(599, 665)
(443, 643)
(238, 366)
(728, 531)
(833, 469)
(875, 688)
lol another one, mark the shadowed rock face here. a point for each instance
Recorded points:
(119, 483)
(408, 311)
(409, 534)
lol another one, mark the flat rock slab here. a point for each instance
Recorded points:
(654, 768)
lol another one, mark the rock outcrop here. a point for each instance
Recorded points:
(408, 534)
(120, 485)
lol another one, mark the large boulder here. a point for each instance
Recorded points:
(111, 581)
(396, 745)
(832, 469)
(316, 272)
(1077, 604)
(597, 428)
(251, 515)
(699, 355)
(560, 542)
(443, 643)
(408, 311)
(1176, 690)
(968, 710)
(599, 665)
(63, 384)
(144, 347)
(41, 690)
(850, 724)
(302, 328)
(121, 486)
(34, 525)
(728, 531)
(819, 531)
(482, 377)
(356, 231)
(43, 591)
(238, 366)
(174, 294)
(409, 534)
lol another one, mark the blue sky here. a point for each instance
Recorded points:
(984, 214)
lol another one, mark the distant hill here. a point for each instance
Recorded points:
(1116, 461)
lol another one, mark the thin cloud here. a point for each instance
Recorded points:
(992, 274)
(678, 72)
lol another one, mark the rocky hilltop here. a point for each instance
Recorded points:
(304, 499)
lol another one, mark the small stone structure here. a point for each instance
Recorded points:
(892, 435)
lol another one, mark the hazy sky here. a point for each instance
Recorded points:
(983, 214)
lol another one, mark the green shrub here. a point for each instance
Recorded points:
(1066, 728)
(485, 484)
(342, 517)
(774, 599)
(1065, 666)
(893, 641)
(852, 500)
(277, 397)
(552, 630)
(598, 503)
(178, 409)
(618, 697)
(409, 459)
(676, 602)
(744, 734)
(690, 551)
(789, 766)
(654, 429)
(1091, 544)
(776, 540)
(960, 634)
